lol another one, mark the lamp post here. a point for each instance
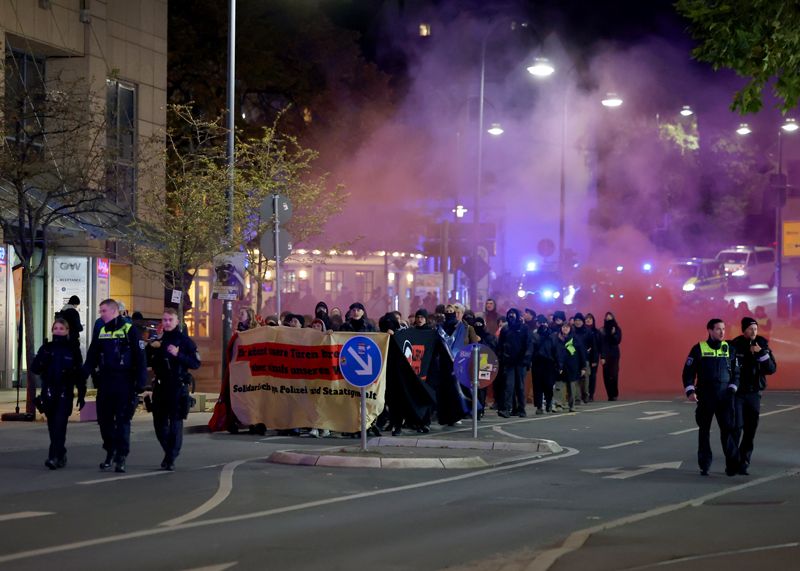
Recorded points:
(227, 306)
(789, 126)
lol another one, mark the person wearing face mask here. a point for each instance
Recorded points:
(58, 363)
(571, 361)
(358, 322)
(490, 314)
(756, 361)
(543, 366)
(513, 352)
(486, 338)
(583, 334)
(593, 356)
(454, 331)
(421, 319)
(711, 379)
(610, 355)
(321, 313)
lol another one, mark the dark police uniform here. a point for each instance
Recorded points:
(171, 390)
(58, 362)
(754, 368)
(716, 368)
(117, 355)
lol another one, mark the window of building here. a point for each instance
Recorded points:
(365, 283)
(121, 141)
(289, 282)
(333, 281)
(198, 318)
(24, 97)
(424, 29)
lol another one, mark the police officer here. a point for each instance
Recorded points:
(714, 365)
(756, 361)
(171, 357)
(59, 362)
(117, 357)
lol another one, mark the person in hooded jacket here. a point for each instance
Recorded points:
(756, 362)
(358, 322)
(610, 355)
(583, 334)
(571, 360)
(513, 352)
(455, 333)
(543, 369)
(321, 313)
(593, 356)
(486, 338)
(58, 363)
(171, 357)
(73, 318)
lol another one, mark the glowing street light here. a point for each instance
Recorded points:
(495, 130)
(459, 211)
(686, 111)
(744, 129)
(790, 126)
(611, 100)
(541, 67)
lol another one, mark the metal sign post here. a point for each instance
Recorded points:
(360, 362)
(276, 237)
(363, 419)
(475, 361)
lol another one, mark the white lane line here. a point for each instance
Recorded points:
(787, 409)
(220, 567)
(657, 414)
(683, 431)
(144, 475)
(577, 539)
(275, 511)
(23, 515)
(621, 444)
(223, 491)
(717, 554)
(501, 431)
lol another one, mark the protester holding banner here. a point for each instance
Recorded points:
(357, 321)
(247, 319)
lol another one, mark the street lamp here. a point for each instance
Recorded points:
(541, 67)
(611, 100)
(744, 129)
(686, 111)
(495, 130)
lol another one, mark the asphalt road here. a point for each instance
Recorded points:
(626, 493)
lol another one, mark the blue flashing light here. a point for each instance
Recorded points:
(647, 267)
(530, 267)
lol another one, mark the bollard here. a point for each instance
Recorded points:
(475, 361)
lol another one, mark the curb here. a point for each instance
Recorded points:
(292, 458)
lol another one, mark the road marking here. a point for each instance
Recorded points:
(787, 409)
(223, 491)
(577, 539)
(683, 431)
(23, 515)
(622, 474)
(621, 444)
(657, 414)
(144, 475)
(220, 567)
(717, 554)
(275, 511)
(501, 431)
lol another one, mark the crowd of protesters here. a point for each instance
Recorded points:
(550, 360)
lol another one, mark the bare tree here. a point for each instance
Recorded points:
(52, 173)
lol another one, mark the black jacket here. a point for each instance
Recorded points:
(58, 363)
(118, 355)
(710, 374)
(754, 367)
(358, 325)
(588, 339)
(73, 318)
(569, 362)
(513, 348)
(610, 340)
(171, 372)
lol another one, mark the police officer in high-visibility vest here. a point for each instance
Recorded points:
(711, 378)
(117, 356)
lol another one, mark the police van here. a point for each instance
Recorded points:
(749, 265)
(699, 276)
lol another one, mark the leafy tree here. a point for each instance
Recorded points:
(52, 173)
(276, 163)
(758, 39)
(185, 221)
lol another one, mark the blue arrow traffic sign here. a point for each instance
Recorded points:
(360, 361)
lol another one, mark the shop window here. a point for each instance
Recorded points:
(289, 282)
(198, 319)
